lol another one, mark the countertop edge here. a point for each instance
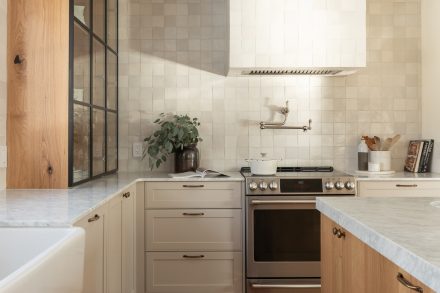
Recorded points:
(407, 260)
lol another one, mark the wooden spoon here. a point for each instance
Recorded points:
(378, 143)
(395, 139)
(387, 144)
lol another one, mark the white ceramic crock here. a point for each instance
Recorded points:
(263, 166)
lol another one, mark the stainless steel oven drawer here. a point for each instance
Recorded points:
(283, 286)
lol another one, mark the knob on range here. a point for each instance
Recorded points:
(329, 185)
(349, 185)
(273, 185)
(262, 185)
(253, 186)
(339, 185)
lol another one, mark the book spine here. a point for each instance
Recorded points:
(419, 156)
(428, 156)
(408, 165)
(423, 156)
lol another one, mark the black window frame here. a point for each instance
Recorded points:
(92, 37)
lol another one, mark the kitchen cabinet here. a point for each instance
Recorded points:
(110, 263)
(348, 265)
(93, 224)
(62, 92)
(399, 188)
(193, 237)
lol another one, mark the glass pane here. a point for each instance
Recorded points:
(81, 65)
(112, 81)
(81, 10)
(98, 74)
(287, 235)
(81, 142)
(112, 23)
(99, 18)
(112, 147)
(98, 142)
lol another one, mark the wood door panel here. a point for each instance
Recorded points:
(37, 108)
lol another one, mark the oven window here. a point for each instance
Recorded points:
(287, 235)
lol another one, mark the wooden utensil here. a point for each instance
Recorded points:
(395, 139)
(387, 144)
(378, 143)
(370, 142)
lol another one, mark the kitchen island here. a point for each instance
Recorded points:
(405, 231)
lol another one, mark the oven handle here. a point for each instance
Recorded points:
(258, 201)
(286, 286)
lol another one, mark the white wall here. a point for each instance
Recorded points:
(3, 37)
(173, 55)
(431, 76)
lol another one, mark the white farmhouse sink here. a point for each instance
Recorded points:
(41, 260)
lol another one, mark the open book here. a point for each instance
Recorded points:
(199, 173)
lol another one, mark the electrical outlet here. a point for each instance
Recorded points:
(3, 156)
(137, 149)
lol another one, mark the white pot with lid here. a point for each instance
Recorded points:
(263, 166)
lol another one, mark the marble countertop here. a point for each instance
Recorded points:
(405, 230)
(63, 207)
(397, 176)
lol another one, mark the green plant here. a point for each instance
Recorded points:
(175, 133)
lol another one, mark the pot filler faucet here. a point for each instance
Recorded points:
(282, 125)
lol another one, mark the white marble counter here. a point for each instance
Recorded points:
(397, 176)
(63, 207)
(405, 230)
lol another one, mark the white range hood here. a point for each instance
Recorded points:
(297, 37)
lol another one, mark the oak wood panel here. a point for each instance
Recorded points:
(348, 265)
(37, 119)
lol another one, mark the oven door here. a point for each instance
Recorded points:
(282, 237)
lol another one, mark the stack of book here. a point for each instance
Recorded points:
(419, 156)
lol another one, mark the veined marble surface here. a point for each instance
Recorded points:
(63, 207)
(396, 176)
(404, 230)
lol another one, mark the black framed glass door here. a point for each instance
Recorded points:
(93, 121)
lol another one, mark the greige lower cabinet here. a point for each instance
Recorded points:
(399, 188)
(193, 237)
(110, 245)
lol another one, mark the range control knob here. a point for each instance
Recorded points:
(273, 185)
(262, 185)
(349, 185)
(329, 185)
(253, 186)
(340, 185)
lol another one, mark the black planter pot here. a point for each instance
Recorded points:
(187, 159)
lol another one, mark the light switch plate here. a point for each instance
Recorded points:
(3, 156)
(137, 149)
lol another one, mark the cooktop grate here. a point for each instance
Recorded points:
(295, 169)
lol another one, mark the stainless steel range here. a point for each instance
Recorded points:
(283, 227)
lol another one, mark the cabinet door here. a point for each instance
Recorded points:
(114, 246)
(402, 188)
(93, 224)
(195, 272)
(192, 230)
(128, 240)
(331, 258)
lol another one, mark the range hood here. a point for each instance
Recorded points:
(297, 37)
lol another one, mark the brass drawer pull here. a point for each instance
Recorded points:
(193, 186)
(126, 195)
(193, 256)
(338, 233)
(193, 214)
(335, 231)
(94, 218)
(408, 284)
(406, 185)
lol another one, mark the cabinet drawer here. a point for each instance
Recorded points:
(194, 194)
(193, 230)
(398, 188)
(195, 272)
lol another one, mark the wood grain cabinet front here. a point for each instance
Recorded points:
(348, 265)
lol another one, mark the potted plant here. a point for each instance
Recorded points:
(178, 134)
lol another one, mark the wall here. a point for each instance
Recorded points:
(430, 75)
(173, 55)
(3, 37)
